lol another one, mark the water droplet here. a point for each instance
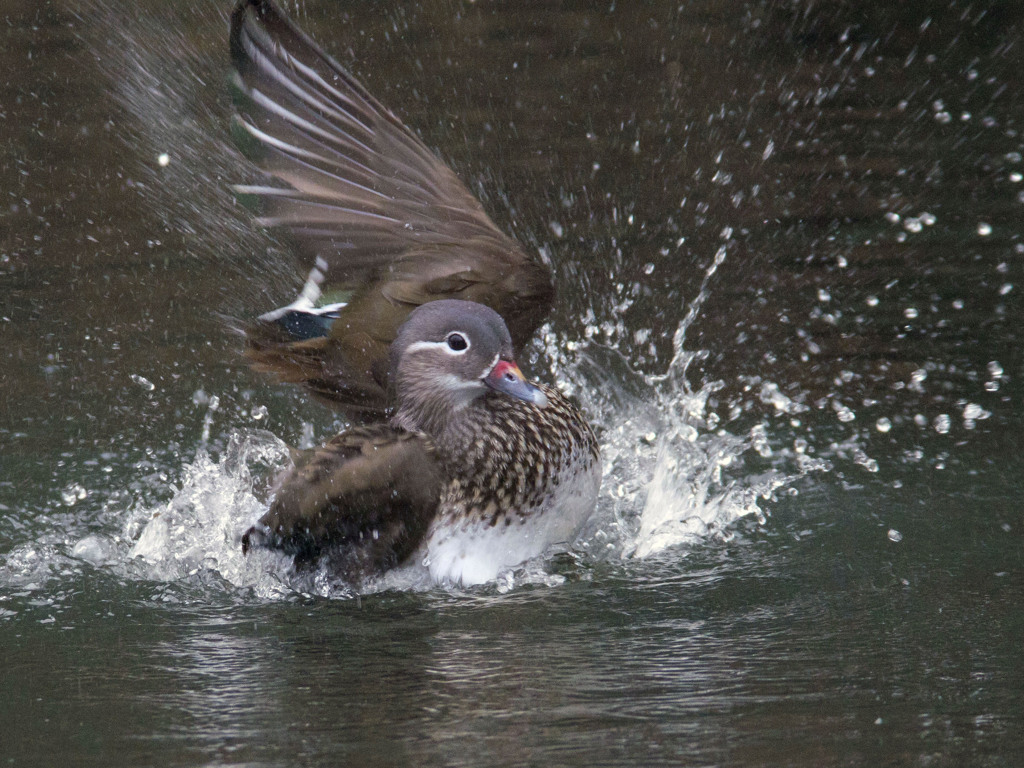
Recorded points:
(648, 268)
(73, 494)
(1016, 177)
(259, 412)
(942, 423)
(1005, 288)
(913, 224)
(892, 217)
(995, 369)
(883, 425)
(872, 301)
(975, 411)
(928, 219)
(143, 382)
(94, 549)
(556, 229)
(824, 295)
(958, 303)
(943, 118)
(894, 535)
(984, 229)
(163, 159)
(910, 313)
(845, 414)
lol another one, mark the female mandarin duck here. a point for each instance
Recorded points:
(460, 463)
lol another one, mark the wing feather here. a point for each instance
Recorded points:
(367, 204)
(364, 501)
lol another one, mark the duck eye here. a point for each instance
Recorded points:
(457, 342)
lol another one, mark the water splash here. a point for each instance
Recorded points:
(674, 475)
(200, 528)
(677, 471)
(197, 533)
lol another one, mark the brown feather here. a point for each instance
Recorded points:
(360, 191)
(364, 499)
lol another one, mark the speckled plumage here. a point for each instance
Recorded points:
(505, 457)
(520, 479)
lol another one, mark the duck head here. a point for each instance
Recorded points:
(447, 354)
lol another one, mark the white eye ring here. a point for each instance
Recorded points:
(457, 342)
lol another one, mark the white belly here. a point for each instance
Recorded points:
(474, 552)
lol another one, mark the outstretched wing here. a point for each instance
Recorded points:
(378, 217)
(364, 500)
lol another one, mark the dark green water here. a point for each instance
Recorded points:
(808, 549)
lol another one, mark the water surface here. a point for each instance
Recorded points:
(788, 245)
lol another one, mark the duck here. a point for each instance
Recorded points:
(413, 307)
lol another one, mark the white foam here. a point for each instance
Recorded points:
(201, 527)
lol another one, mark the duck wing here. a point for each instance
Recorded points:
(364, 500)
(380, 221)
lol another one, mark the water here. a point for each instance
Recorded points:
(788, 247)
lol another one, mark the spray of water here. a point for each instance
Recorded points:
(200, 528)
(674, 476)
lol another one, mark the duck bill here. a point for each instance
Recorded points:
(505, 377)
